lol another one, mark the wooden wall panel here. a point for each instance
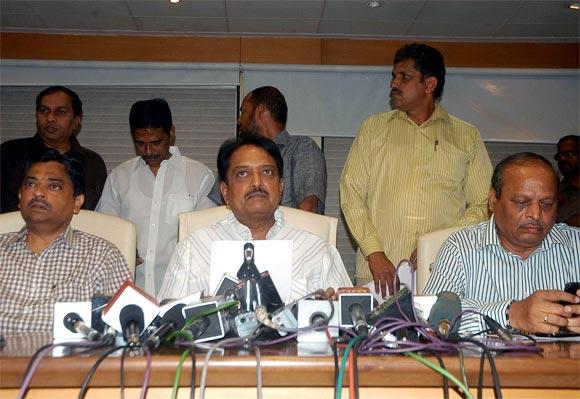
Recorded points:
(475, 55)
(261, 50)
(269, 50)
(120, 48)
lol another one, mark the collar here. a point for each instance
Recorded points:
(554, 237)
(282, 138)
(75, 146)
(244, 232)
(66, 237)
(438, 113)
(173, 162)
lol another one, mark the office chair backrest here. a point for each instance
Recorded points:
(321, 225)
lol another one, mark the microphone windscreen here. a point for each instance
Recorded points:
(132, 314)
(444, 312)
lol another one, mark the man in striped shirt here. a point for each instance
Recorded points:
(411, 171)
(250, 171)
(514, 267)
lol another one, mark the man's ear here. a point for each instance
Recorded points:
(430, 84)
(260, 111)
(79, 201)
(172, 135)
(491, 200)
(224, 191)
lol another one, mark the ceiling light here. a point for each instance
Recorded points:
(374, 4)
(174, 1)
(574, 6)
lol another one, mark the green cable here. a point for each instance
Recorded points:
(342, 368)
(184, 332)
(442, 371)
(178, 374)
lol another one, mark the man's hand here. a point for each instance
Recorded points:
(574, 308)
(541, 312)
(413, 260)
(383, 273)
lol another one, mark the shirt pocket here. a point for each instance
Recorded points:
(176, 204)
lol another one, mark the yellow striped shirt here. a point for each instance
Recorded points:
(401, 180)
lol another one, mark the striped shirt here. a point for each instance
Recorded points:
(473, 264)
(315, 263)
(75, 267)
(401, 180)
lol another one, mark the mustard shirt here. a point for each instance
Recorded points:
(401, 180)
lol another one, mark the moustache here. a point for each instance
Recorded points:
(533, 224)
(147, 158)
(255, 191)
(395, 91)
(38, 201)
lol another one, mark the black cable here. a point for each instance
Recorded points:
(122, 373)
(355, 367)
(335, 356)
(445, 380)
(93, 369)
(192, 392)
(491, 361)
(480, 379)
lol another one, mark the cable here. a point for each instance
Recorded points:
(445, 380)
(351, 390)
(462, 367)
(93, 369)
(147, 376)
(178, 373)
(122, 373)
(342, 368)
(444, 372)
(258, 373)
(192, 392)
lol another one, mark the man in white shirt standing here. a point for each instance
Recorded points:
(153, 188)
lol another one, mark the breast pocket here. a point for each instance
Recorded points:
(177, 203)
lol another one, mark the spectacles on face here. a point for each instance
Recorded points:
(565, 154)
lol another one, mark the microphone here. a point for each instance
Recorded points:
(75, 323)
(444, 312)
(132, 322)
(359, 319)
(130, 311)
(171, 321)
(354, 303)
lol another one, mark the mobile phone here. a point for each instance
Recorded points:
(571, 288)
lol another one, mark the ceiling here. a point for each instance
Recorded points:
(466, 20)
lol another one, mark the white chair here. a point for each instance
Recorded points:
(119, 232)
(321, 225)
(428, 246)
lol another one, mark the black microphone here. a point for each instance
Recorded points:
(171, 321)
(444, 312)
(132, 323)
(76, 324)
(357, 315)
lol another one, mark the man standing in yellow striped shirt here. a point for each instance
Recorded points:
(410, 171)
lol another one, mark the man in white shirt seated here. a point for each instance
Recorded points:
(514, 267)
(250, 171)
(152, 189)
(48, 261)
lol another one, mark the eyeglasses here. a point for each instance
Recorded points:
(565, 154)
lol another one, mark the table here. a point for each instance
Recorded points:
(553, 374)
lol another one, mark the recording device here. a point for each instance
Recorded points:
(75, 323)
(98, 303)
(354, 304)
(227, 286)
(445, 315)
(256, 289)
(171, 321)
(130, 311)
